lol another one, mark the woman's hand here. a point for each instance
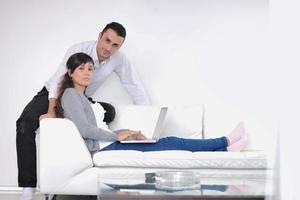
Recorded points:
(137, 135)
(130, 135)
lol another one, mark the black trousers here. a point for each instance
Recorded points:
(27, 124)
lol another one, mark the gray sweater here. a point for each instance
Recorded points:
(77, 108)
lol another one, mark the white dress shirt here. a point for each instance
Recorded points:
(99, 113)
(117, 63)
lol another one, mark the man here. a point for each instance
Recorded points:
(107, 58)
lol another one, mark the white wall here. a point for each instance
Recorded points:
(285, 49)
(186, 52)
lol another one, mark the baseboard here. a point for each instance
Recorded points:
(12, 190)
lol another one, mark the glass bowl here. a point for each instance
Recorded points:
(177, 180)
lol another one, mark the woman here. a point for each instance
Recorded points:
(74, 105)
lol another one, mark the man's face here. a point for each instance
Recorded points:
(108, 43)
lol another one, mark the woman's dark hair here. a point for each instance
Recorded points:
(117, 27)
(73, 62)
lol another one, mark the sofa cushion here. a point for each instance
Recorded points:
(184, 121)
(181, 121)
(182, 159)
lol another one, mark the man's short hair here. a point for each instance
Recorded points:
(117, 27)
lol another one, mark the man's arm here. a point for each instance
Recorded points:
(130, 80)
(53, 83)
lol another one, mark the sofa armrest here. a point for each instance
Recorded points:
(63, 153)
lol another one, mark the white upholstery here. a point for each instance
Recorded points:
(220, 120)
(63, 154)
(182, 159)
(184, 121)
(66, 166)
(181, 121)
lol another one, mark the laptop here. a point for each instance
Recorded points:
(157, 130)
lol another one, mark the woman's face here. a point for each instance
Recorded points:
(82, 75)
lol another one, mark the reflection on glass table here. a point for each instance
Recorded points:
(182, 183)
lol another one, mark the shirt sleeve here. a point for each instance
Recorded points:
(53, 83)
(130, 80)
(74, 107)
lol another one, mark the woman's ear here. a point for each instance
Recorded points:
(69, 73)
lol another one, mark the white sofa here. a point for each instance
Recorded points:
(66, 166)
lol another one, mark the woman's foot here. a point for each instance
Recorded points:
(236, 189)
(28, 193)
(239, 145)
(236, 134)
(232, 189)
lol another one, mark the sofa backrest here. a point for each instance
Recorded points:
(182, 121)
(221, 121)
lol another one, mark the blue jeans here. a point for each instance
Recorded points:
(173, 143)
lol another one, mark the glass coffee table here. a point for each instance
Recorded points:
(235, 185)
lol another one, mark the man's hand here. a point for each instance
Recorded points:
(47, 115)
(130, 135)
(51, 111)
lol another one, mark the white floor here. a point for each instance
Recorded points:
(9, 195)
(38, 196)
(14, 193)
